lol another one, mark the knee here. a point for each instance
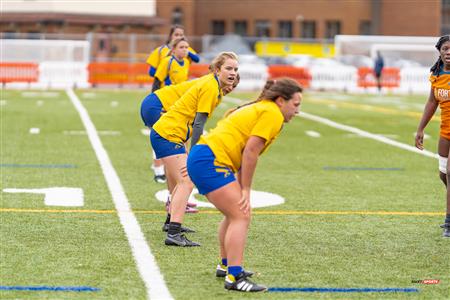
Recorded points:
(185, 182)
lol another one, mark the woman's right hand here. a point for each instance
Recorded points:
(244, 203)
(419, 139)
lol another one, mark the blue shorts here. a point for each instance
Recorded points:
(204, 174)
(151, 110)
(163, 147)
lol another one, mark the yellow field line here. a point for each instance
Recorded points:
(263, 212)
(367, 107)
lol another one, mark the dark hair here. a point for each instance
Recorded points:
(284, 87)
(436, 68)
(172, 29)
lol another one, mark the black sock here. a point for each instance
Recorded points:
(447, 219)
(167, 219)
(174, 228)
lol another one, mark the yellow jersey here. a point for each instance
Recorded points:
(202, 97)
(157, 55)
(172, 71)
(171, 93)
(227, 141)
(441, 89)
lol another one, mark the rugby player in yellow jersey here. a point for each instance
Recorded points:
(153, 60)
(185, 120)
(440, 96)
(173, 69)
(156, 56)
(234, 147)
(159, 102)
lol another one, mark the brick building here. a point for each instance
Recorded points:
(307, 18)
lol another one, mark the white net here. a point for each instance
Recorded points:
(44, 51)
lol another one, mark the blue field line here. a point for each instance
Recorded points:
(50, 288)
(361, 169)
(64, 166)
(342, 290)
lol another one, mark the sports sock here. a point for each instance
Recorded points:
(447, 219)
(158, 170)
(224, 262)
(174, 228)
(167, 219)
(234, 270)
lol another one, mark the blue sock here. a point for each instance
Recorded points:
(225, 262)
(234, 270)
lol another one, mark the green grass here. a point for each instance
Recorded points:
(288, 250)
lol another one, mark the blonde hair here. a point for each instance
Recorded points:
(220, 59)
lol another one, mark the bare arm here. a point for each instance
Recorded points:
(428, 112)
(253, 148)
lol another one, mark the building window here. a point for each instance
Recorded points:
(285, 29)
(332, 28)
(365, 27)
(308, 29)
(445, 26)
(262, 28)
(240, 28)
(177, 16)
(218, 27)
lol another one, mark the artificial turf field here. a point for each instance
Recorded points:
(358, 213)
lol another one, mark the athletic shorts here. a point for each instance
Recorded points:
(207, 176)
(163, 147)
(151, 110)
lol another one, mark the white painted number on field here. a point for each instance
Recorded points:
(257, 199)
(56, 196)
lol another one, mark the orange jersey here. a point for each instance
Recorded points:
(441, 89)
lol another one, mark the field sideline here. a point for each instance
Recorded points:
(360, 211)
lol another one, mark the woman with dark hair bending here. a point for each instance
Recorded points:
(440, 95)
(234, 147)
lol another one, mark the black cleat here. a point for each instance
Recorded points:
(165, 228)
(179, 240)
(160, 178)
(221, 271)
(242, 284)
(446, 232)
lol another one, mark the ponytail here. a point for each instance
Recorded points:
(283, 87)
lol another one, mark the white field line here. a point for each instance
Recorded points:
(313, 133)
(355, 131)
(146, 263)
(366, 134)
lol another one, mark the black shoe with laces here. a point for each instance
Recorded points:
(160, 178)
(165, 228)
(180, 240)
(241, 283)
(221, 271)
(446, 232)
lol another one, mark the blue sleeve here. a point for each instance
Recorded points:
(194, 57)
(152, 71)
(167, 81)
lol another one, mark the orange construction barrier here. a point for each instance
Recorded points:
(302, 75)
(198, 70)
(109, 73)
(19, 72)
(390, 77)
(139, 74)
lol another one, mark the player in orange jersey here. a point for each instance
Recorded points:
(440, 96)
